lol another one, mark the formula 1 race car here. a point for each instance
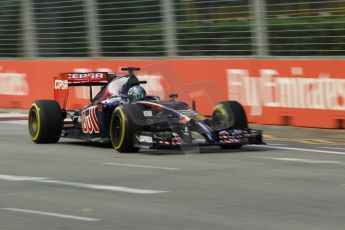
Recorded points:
(123, 114)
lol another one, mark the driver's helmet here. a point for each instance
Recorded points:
(136, 93)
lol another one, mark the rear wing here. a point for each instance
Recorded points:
(85, 79)
(66, 80)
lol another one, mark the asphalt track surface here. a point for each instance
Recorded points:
(296, 182)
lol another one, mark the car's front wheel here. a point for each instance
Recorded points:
(125, 122)
(229, 115)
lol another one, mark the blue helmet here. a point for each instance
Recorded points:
(136, 93)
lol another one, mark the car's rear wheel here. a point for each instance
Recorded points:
(125, 122)
(45, 121)
(229, 115)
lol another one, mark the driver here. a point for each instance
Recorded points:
(136, 93)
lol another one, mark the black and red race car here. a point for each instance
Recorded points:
(130, 125)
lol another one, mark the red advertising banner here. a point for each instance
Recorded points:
(309, 93)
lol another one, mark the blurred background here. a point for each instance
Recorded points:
(171, 28)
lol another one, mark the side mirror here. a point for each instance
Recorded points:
(173, 96)
(193, 105)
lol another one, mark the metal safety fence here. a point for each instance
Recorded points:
(171, 28)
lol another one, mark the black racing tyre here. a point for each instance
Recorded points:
(45, 121)
(229, 115)
(125, 121)
(232, 146)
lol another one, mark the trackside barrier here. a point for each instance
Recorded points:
(308, 93)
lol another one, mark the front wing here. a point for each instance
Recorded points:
(157, 140)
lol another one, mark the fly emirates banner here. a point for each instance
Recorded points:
(308, 93)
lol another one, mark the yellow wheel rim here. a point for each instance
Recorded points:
(223, 119)
(34, 122)
(220, 109)
(122, 126)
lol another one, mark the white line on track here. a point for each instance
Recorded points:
(334, 148)
(301, 149)
(80, 185)
(270, 144)
(21, 178)
(20, 122)
(140, 166)
(310, 161)
(50, 214)
(2, 115)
